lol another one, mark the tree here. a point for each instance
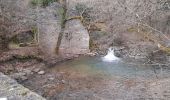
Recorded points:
(64, 4)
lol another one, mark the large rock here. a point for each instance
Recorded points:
(49, 28)
(11, 90)
(75, 39)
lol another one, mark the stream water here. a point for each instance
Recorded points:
(96, 65)
(98, 78)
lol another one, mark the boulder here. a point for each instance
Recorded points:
(75, 39)
(49, 28)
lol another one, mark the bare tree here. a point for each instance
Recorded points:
(63, 22)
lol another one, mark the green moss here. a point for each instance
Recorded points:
(62, 13)
(132, 29)
(35, 34)
(34, 2)
(14, 40)
(42, 3)
(92, 45)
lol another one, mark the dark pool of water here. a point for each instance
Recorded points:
(95, 65)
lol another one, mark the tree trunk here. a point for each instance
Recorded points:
(64, 3)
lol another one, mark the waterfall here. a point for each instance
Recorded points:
(110, 56)
(3, 98)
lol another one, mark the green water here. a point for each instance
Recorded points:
(95, 65)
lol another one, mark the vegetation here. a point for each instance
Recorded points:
(3, 42)
(93, 45)
(42, 3)
(35, 34)
(83, 11)
(62, 13)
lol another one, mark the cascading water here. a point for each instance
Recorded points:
(3, 98)
(110, 57)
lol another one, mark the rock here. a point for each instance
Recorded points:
(92, 54)
(36, 70)
(75, 39)
(23, 78)
(11, 90)
(41, 72)
(49, 30)
(51, 78)
(17, 75)
(27, 71)
(63, 81)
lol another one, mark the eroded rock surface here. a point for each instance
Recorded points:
(49, 28)
(11, 90)
(75, 39)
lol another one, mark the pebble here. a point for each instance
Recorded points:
(23, 78)
(91, 54)
(36, 70)
(51, 78)
(27, 71)
(17, 75)
(63, 81)
(41, 72)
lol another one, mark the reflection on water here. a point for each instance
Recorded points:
(95, 66)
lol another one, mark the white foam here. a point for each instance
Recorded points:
(110, 57)
(3, 98)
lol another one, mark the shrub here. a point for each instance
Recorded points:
(84, 11)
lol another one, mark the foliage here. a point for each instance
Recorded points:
(35, 34)
(42, 3)
(84, 11)
(92, 45)
(62, 13)
(24, 38)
